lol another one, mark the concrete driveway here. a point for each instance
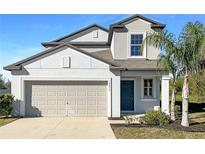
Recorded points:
(58, 128)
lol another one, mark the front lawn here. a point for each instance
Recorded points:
(154, 133)
(4, 121)
(173, 131)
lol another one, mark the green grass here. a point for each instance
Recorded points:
(155, 133)
(161, 133)
(192, 98)
(4, 121)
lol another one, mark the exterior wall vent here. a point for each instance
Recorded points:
(95, 34)
(66, 62)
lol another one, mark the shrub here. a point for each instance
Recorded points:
(156, 118)
(178, 111)
(6, 101)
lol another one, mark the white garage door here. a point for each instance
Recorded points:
(72, 98)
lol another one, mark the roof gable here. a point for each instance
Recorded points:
(137, 16)
(121, 24)
(18, 65)
(77, 34)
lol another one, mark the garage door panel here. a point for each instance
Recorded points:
(91, 101)
(76, 98)
(102, 107)
(51, 93)
(81, 93)
(91, 93)
(81, 112)
(91, 107)
(71, 112)
(81, 101)
(71, 93)
(71, 101)
(92, 112)
(52, 112)
(61, 93)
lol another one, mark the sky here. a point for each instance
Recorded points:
(21, 35)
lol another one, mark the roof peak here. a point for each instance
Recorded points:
(80, 31)
(137, 16)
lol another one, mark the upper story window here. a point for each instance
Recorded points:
(136, 44)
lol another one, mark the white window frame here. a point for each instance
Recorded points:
(144, 51)
(153, 88)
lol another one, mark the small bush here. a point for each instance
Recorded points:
(6, 101)
(156, 118)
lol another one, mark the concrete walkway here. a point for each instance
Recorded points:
(58, 128)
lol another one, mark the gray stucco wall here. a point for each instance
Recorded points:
(83, 68)
(121, 40)
(102, 37)
(141, 105)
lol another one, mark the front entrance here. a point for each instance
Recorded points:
(127, 95)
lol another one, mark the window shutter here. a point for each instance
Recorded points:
(66, 62)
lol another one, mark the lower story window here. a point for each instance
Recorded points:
(148, 88)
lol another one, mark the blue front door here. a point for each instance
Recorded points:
(127, 95)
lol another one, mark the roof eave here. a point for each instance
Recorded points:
(161, 26)
(11, 68)
(50, 44)
(135, 69)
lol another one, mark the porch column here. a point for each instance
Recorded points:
(165, 94)
(115, 95)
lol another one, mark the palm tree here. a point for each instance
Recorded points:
(191, 41)
(170, 64)
(168, 44)
(185, 54)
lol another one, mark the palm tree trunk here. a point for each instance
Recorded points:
(185, 100)
(173, 103)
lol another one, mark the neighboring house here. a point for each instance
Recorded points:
(5, 91)
(93, 72)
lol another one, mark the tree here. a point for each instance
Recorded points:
(2, 82)
(191, 41)
(168, 44)
(8, 84)
(185, 55)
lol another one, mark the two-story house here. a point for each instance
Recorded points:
(93, 72)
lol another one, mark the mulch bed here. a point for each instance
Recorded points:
(194, 127)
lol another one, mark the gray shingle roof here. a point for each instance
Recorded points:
(104, 56)
(130, 63)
